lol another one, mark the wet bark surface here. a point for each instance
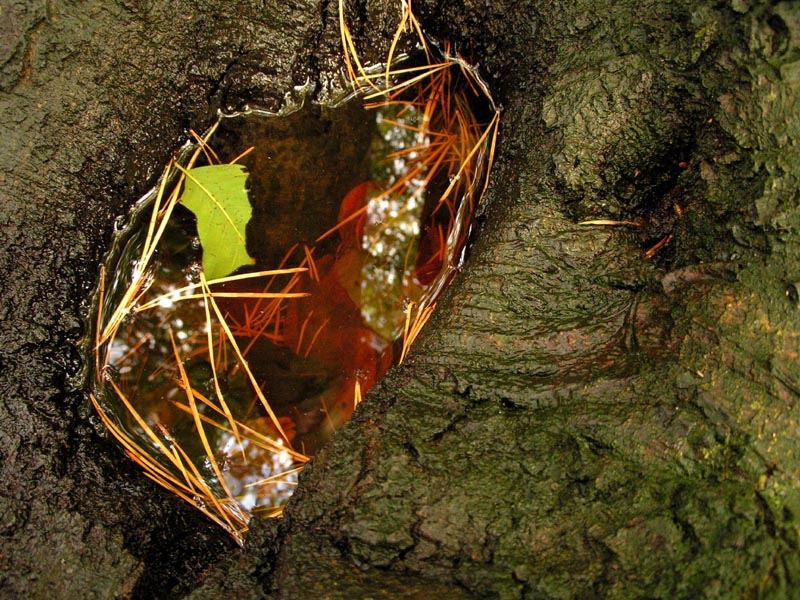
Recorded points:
(580, 418)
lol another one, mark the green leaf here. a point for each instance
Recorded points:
(218, 198)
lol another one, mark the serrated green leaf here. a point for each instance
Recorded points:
(217, 196)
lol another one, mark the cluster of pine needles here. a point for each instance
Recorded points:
(453, 148)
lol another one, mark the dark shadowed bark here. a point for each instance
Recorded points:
(580, 418)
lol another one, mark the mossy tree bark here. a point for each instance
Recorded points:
(580, 418)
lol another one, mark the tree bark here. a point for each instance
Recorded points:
(584, 416)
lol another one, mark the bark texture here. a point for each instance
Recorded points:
(578, 419)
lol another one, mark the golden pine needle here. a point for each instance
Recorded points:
(312, 266)
(200, 296)
(197, 420)
(243, 362)
(212, 362)
(242, 155)
(99, 322)
(351, 217)
(210, 155)
(660, 244)
(405, 16)
(278, 477)
(328, 418)
(314, 337)
(181, 293)
(407, 83)
(350, 53)
(135, 348)
(610, 222)
(302, 333)
(412, 328)
(255, 274)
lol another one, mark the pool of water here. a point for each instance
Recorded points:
(361, 212)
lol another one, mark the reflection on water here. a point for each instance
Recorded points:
(222, 390)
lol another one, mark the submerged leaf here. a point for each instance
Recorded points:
(217, 196)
